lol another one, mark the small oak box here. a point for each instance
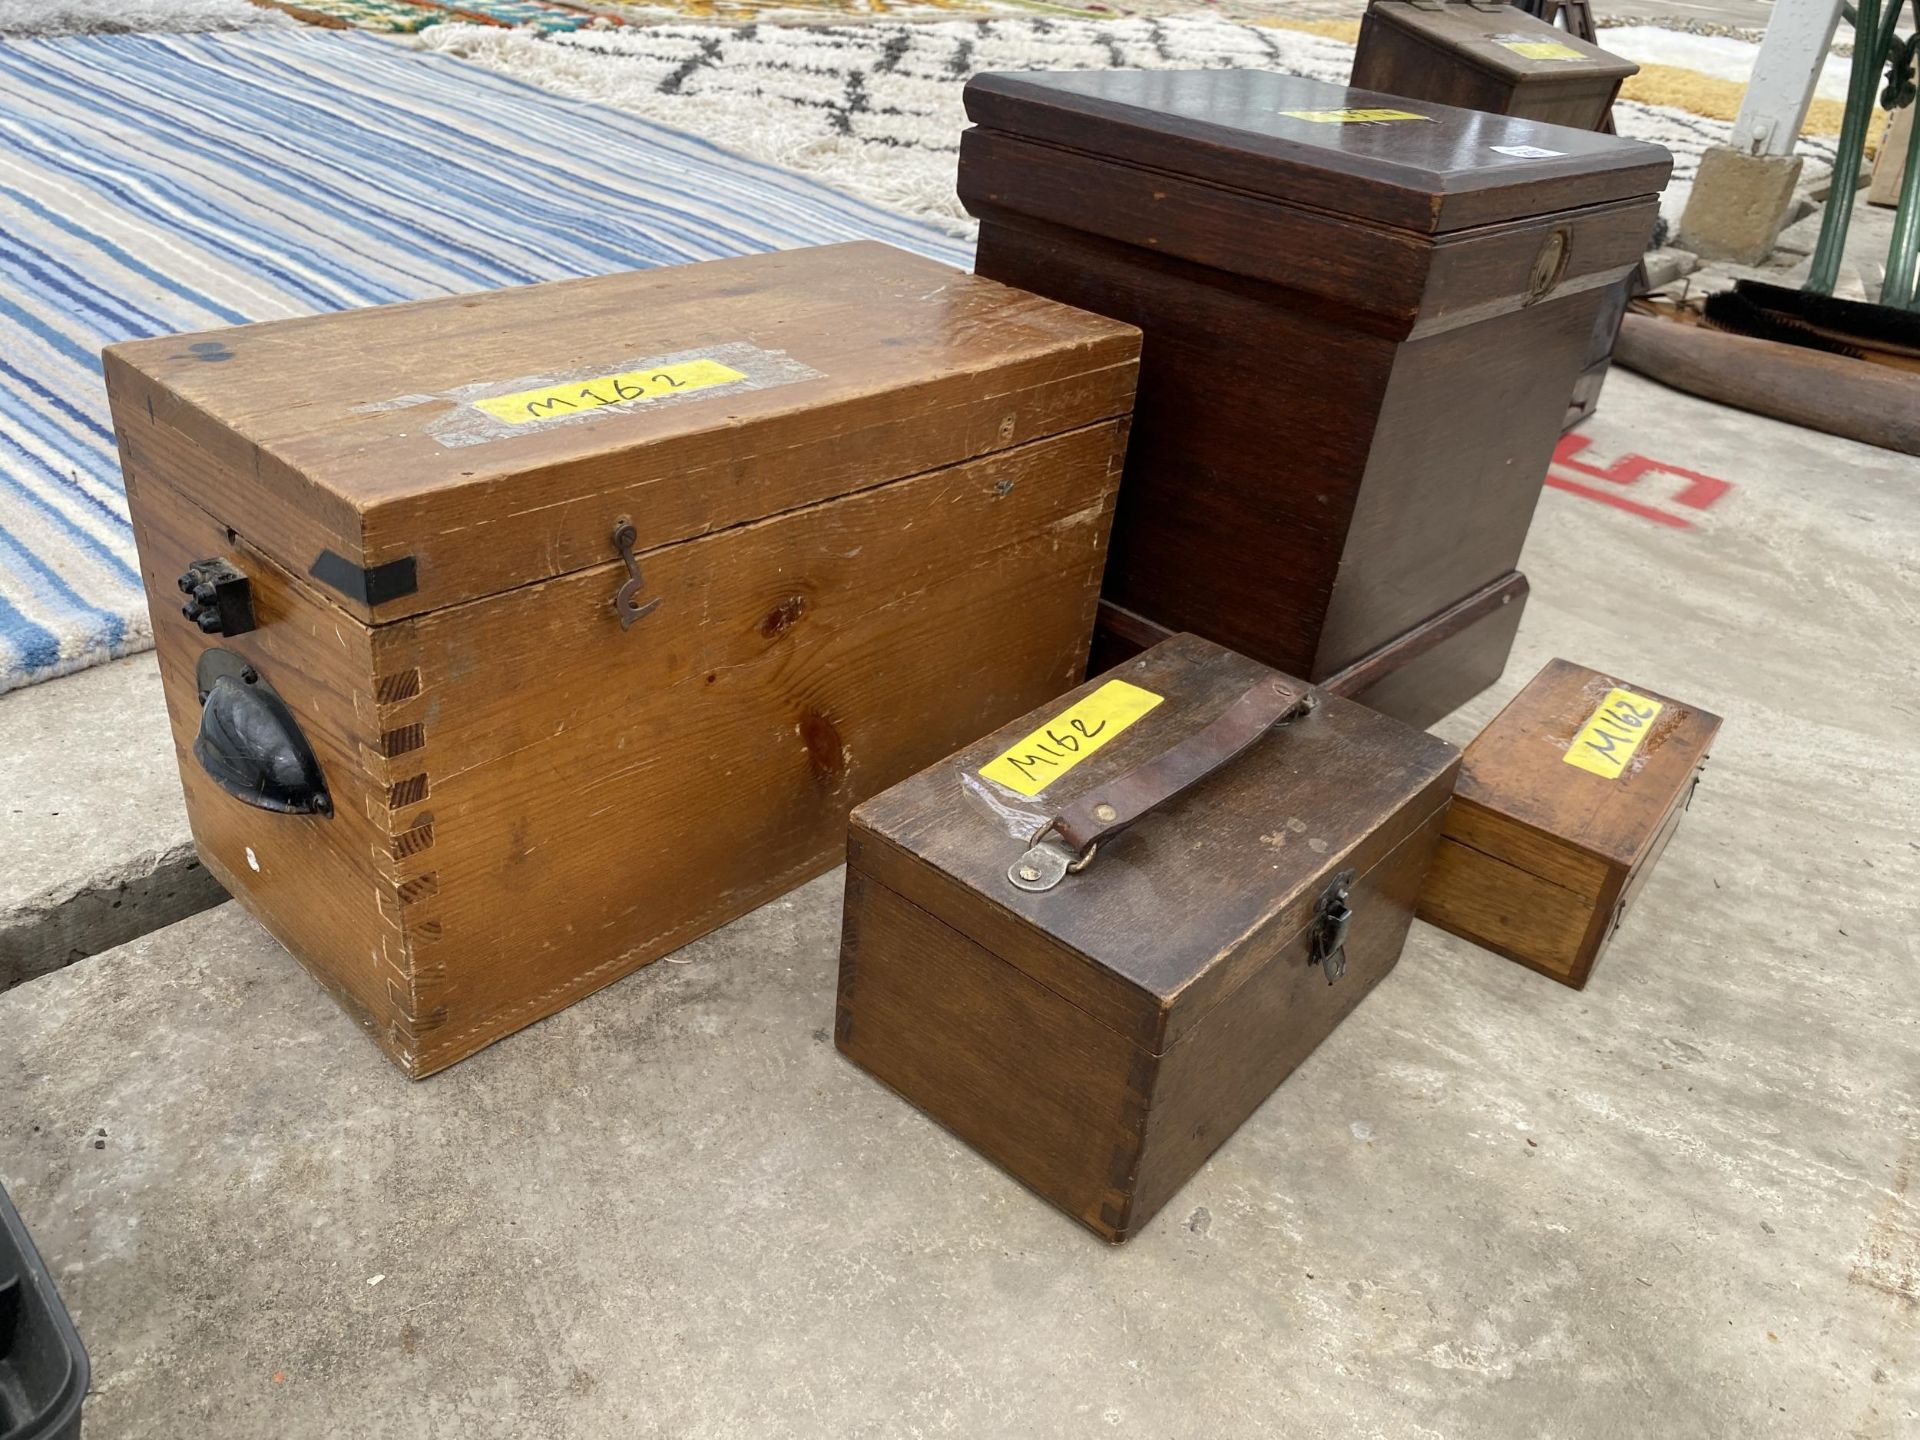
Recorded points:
(1564, 804)
(1363, 317)
(1091, 944)
(532, 634)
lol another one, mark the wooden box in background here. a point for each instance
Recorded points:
(1363, 317)
(1486, 57)
(1564, 804)
(536, 633)
(1248, 872)
(1502, 60)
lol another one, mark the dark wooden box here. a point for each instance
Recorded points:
(1486, 57)
(1100, 1038)
(1564, 804)
(1363, 318)
(1502, 60)
(863, 500)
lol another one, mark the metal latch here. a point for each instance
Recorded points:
(627, 603)
(1327, 944)
(219, 597)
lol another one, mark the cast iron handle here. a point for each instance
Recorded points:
(251, 745)
(1066, 843)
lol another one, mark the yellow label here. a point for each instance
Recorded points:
(1352, 117)
(1067, 739)
(550, 402)
(1541, 49)
(1612, 733)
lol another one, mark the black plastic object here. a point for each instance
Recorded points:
(250, 743)
(43, 1365)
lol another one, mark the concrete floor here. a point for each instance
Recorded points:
(1678, 1204)
(94, 848)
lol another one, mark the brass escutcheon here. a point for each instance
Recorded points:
(1549, 265)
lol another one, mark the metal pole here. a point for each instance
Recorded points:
(1903, 255)
(1824, 269)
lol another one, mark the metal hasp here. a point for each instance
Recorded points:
(249, 743)
(219, 597)
(1047, 862)
(1327, 944)
(627, 603)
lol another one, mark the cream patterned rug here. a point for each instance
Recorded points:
(874, 109)
(128, 17)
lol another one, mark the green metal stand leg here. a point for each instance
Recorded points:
(1868, 56)
(1902, 287)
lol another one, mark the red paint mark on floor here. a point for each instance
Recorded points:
(1694, 491)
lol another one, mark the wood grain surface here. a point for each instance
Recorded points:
(1344, 419)
(1453, 54)
(304, 420)
(1229, 128)
(1423, 674)
(1436, 667)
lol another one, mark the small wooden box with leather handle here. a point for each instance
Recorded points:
(1092, 943)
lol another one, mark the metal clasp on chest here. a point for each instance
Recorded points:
(1327, 936)
(627, 604)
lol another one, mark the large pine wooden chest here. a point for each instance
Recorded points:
(1363, 319)
(513, 640)
(1093, 943)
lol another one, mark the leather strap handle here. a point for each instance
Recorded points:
(1067, 843)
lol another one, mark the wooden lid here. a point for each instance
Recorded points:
(1604, 791)
(1408, 164)
(1197, 895)
(1510, 43)
(451, 449)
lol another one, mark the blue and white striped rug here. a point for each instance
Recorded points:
(150, 184)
